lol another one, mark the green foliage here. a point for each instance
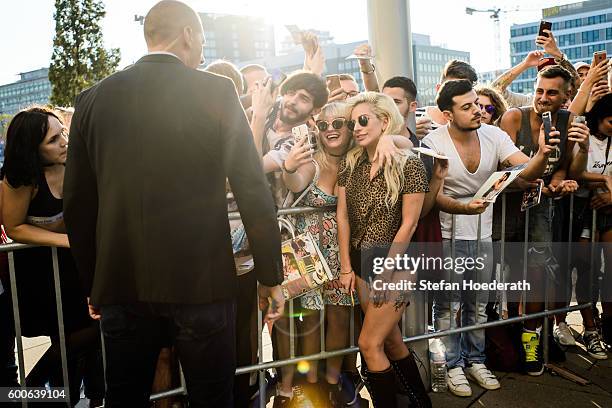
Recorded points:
(79, 58)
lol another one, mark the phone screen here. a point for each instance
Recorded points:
(544, 25)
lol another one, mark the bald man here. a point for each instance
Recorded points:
(144, 202)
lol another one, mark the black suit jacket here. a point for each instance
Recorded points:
(144, 193)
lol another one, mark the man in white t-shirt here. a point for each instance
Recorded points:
(475, 151)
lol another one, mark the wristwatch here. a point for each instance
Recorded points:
(369, 72)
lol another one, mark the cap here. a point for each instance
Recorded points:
(581, 64)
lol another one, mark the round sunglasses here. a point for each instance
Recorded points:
(490, 109)
(337, 124)
(362, 119)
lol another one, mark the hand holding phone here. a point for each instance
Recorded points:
(547, 122)
(544, 25)
(333, 83)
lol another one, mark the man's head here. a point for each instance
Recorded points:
(551, 89)
(251, 74)
(175, 27)
(583, 69)
(458, 102)
(403, 91)
(456, 69)
(303, 95)
(227, 69)
(347, 83)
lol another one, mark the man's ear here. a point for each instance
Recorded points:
(448, 115)
(438, 87)
(187, 34)
(412, 106)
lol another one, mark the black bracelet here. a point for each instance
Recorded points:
(287, 171)
(369, 72)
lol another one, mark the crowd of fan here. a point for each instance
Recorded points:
(372, 191)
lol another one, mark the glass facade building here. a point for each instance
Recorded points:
(579, 28)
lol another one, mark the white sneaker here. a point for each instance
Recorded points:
(457, 383)
(481, 374)
(564, 335)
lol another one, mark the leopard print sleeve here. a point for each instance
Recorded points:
(342, 173)
(415, 176)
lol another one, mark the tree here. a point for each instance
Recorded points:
(79, 58)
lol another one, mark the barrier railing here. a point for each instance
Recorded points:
(262, 365)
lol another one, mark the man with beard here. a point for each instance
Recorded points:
(302, 96)
(474, 151)
(524, 125)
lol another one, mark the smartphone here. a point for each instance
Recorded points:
(599, 56)
(299, 132)
(277, 77)
(544, 25)
(333, 83)
(580, 119)
(546, 119)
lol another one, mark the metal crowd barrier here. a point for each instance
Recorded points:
(262, 365)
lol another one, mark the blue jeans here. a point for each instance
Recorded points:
(204, 337)
(467, 346)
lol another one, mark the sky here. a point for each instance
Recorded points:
(27, 26)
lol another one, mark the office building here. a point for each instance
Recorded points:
(579, 28)
(32, 88)
(236, 38)
(428, 63)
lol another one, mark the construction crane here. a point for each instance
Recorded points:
(495, 16)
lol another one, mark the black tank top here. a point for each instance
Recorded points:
(44, 207)
(524, 140)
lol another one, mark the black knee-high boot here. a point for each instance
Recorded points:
(382, 388)
(410, 381)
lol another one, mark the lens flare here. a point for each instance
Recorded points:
(303, 367)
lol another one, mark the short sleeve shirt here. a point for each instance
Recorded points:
(372, 222)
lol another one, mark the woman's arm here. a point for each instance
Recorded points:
(347, 275)
(298, 169)
(299, 180)
(440, 170)
(15, 203)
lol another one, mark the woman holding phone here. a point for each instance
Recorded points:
(378, 210)
(333, 141)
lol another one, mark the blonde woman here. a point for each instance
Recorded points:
(333, 141)
(378, 211)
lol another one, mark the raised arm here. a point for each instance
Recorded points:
(594, 76)
(368, 71)
(503, 81)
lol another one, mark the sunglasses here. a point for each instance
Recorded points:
(490, 109)
(362, 119)
(337, 124)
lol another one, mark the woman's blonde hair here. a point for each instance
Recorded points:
(332, 109)
(384, 108)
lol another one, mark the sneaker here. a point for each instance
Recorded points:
(481, 374)
(592, 340)
(564, 335)
(457, 383)
(533, 354)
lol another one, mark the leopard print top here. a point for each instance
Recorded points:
(372, 223)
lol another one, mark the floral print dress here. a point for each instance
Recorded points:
(324, 229)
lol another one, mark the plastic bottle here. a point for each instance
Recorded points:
(437, 365)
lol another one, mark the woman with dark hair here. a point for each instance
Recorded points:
(492, 105)
(33, 175)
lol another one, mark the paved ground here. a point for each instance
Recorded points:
(520, 391)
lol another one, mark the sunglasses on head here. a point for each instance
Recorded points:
(490, 109)
(337, 124)
(362, 119)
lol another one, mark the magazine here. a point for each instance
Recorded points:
(532, 197)
(498, 182)
(304, 267)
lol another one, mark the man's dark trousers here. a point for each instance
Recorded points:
(204, 337)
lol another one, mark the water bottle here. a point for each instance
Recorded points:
(437, 365)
